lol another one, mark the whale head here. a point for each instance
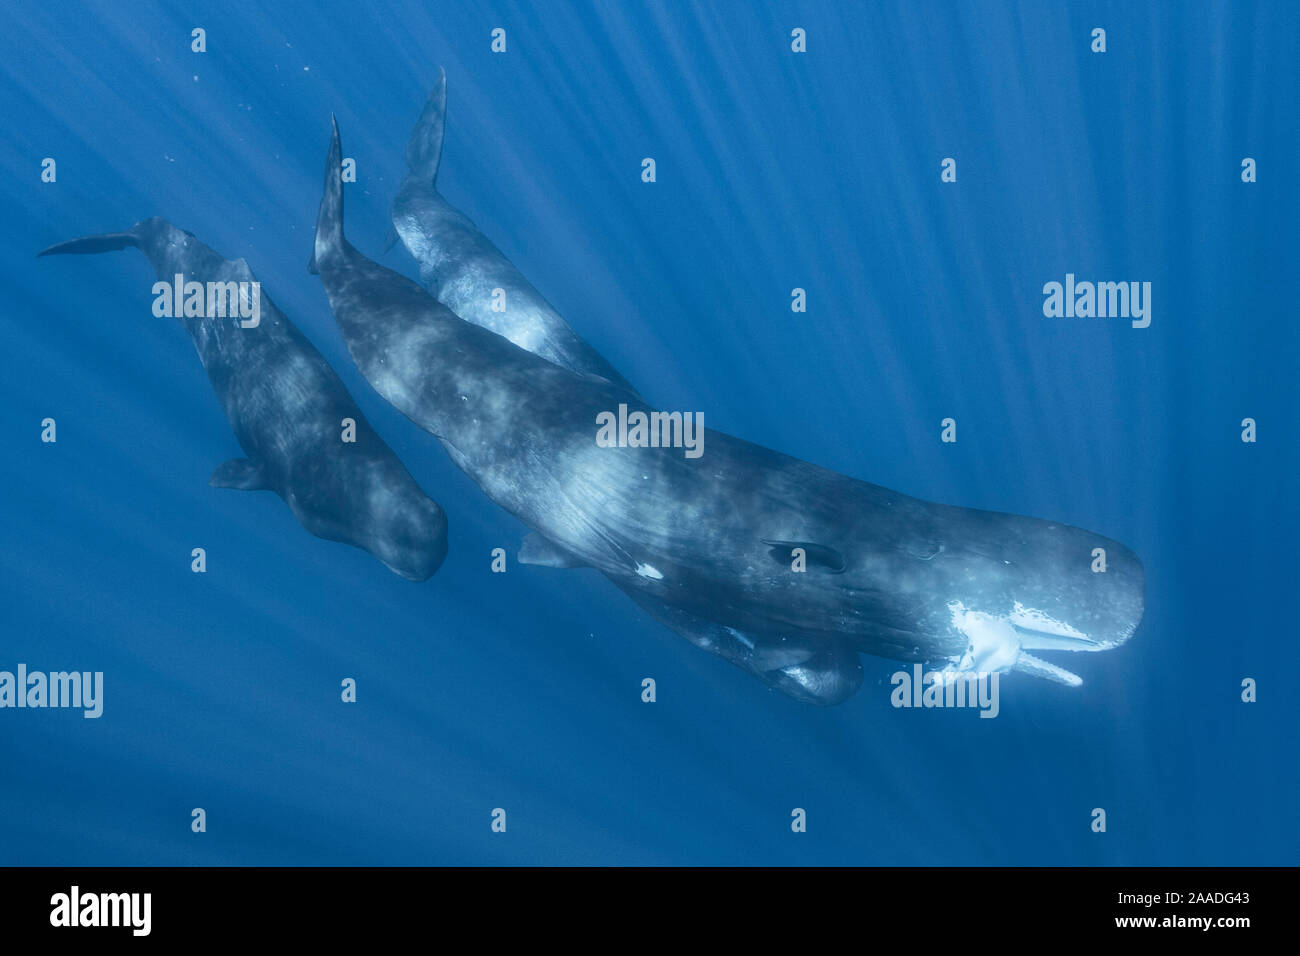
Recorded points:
(1023, 585)
(373, 503)
(406, 530)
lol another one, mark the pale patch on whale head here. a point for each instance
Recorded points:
(996, 644)
(992, 643)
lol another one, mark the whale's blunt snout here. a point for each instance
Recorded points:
(1081, 592)
(1117, 599)
(1028, 586)
(1131, 597)
(413, 543)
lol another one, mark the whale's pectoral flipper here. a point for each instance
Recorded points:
(537, 550)
(239, 473)
(830, 676)
(754, 653)
(424, 149)
(108, 242)
(819, 555)
(763, 653)
(813, 670)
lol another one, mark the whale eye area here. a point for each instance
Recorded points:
(817, 555)
(923, 550)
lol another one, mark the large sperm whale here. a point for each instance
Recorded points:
(463, 269)
(713, 545)
(290, 413)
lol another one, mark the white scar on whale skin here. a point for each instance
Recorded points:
(649, 571)
(996, 646)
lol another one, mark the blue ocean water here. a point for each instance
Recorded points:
(775, 170)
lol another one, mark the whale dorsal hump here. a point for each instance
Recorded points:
(818, 555)
(239, 473)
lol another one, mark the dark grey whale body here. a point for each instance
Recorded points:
(286, 407)
(462, 268)
(706, 544)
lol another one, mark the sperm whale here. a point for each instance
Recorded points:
(786, 568)
(303, 435)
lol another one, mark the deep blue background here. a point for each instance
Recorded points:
(775, 170)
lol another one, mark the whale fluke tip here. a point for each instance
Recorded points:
(329, 222)
(108, 242)
(424, 148)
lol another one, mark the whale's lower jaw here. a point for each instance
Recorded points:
(1029, 664)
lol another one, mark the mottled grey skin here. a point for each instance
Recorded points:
(286, 407)
(461, 267)
(705, 544)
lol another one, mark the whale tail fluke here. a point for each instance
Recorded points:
(424, 149)
(108, 242)
(329, 221)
